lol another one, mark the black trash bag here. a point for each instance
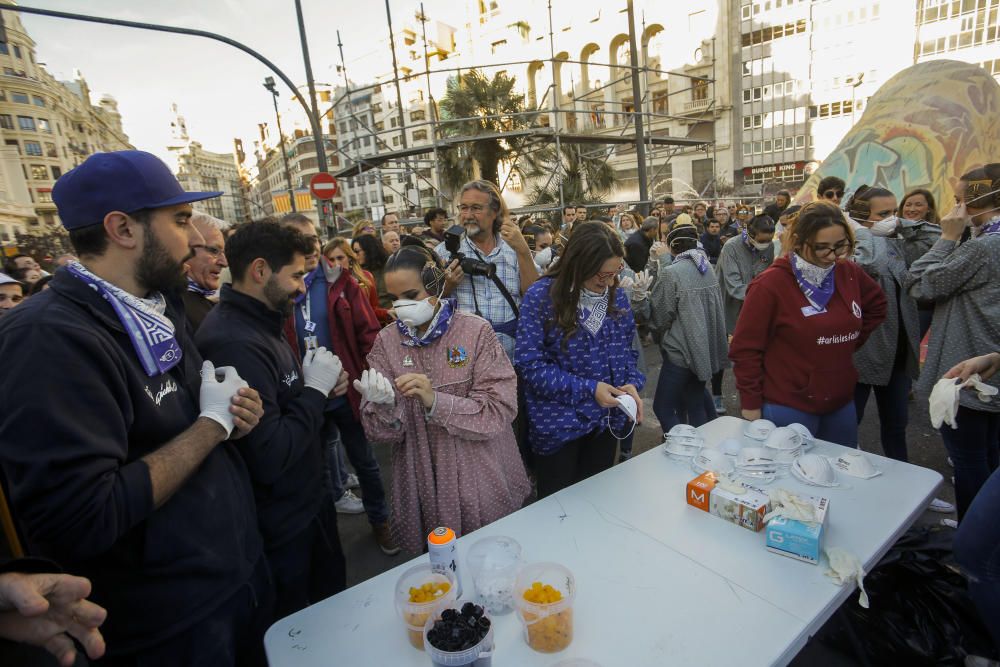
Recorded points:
(921, 613)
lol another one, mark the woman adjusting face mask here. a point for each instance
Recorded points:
(413, 313)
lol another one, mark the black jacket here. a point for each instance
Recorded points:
(283, 453)
(637, 251)
(196, 307)
(79, 413)
(712, 246)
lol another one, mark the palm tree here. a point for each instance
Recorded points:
(475, 105)
(584, 174)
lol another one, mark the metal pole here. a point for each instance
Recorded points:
(314, 116)
(281, 149)
(556, 92)
(646, 97)
(640, 146)
(350, 104)
(399, 102)
(430, 103)
(715, 145)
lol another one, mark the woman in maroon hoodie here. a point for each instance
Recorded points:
(801, 322)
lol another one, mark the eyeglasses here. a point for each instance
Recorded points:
(823, 250)
(608, 275)
(831, 194)
(475, 209)
(210, 249)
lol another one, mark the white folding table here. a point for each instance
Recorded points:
(659, 582)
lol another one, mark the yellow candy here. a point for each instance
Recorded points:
(429, 591)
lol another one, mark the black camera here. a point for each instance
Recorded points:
(473, 267)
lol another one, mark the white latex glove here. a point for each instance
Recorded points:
(640, 290)
(943, 402)
(626, 283)
(375, 388)
(217, 395)
(321, 370)
(846, 568)
(659, 248)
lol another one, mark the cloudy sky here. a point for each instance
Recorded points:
(217, 88)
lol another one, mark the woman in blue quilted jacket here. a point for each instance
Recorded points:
(574, 353)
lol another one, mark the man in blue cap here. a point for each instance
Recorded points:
(114, 446)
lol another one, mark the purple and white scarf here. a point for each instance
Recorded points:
(816, 283)
(991, 227)
(198, 289)
(436, 329)
(145, 322)
(696, 255)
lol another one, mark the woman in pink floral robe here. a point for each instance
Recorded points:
(456, 463)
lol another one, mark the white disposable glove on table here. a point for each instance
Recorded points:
(376, 388)
(321, 370)
(217, 395)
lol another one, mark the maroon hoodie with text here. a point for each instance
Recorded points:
(785, 353)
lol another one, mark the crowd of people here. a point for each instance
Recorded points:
(187, 399)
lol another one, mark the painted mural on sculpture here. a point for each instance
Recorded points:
(924, 128)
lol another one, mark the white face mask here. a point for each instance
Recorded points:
(884, 227)
(331, 271)
(544, 257)
(413, 313)
(761, 246)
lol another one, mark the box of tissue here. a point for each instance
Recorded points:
(735, 502)
(802, 540)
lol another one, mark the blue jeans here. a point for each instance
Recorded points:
(839, 426)
(340, 426)
(679, 393)
(977, 550)
(973, 450)
(893, 402)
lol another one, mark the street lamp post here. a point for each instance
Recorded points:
(270, 85)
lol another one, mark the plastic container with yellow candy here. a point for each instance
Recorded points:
(544, 602)
(421, 591)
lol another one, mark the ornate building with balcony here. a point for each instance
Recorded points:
(52, 125)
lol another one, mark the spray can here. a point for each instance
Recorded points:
(442, 547)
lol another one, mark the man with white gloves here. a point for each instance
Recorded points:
(284, 453)
(118, 447)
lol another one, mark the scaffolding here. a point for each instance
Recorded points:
(549, 124)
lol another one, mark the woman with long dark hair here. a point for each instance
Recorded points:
(373, 256)
(574, 352)
(801, 322)
(441, 390)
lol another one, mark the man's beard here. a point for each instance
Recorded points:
(473, 230)
(156, 270)
(278, 299)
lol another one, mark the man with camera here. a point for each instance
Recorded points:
(490, 263)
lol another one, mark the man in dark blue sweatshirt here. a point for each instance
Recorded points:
(283, 454)
(113, 448)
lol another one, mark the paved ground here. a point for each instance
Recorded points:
(365, 560)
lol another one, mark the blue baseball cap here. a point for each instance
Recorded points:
(124, 181)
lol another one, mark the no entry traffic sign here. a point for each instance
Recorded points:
(323, 186)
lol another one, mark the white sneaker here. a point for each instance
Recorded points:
(349, 504)
(943, 506)
(352, 482)
(949, 523)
